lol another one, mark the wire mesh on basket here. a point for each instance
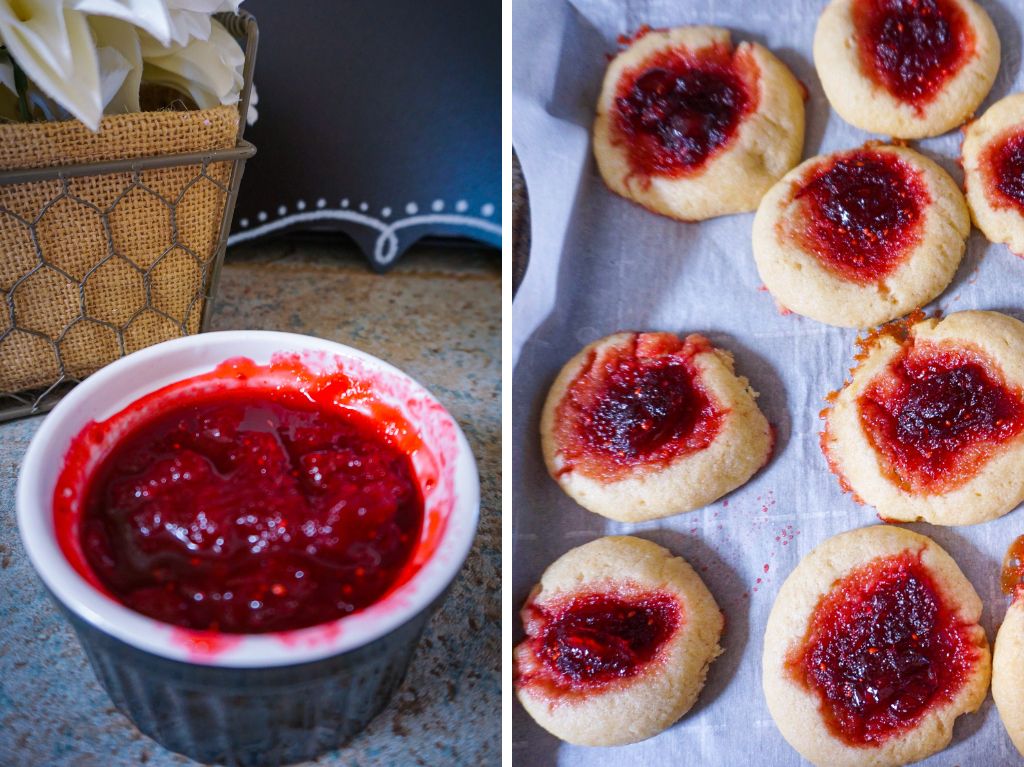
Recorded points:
(99, 259)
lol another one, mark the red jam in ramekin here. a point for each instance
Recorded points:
(257, 498)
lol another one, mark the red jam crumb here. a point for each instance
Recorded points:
(882, 648)
(681, 107)
(595, 639)
(245, 512)
(912, 48)
(1003, 169)
(863, 213)
(639, 403)
(937, 414)
(1012, 577)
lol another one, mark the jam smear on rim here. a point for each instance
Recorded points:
(595, 639)
(1012, 576)
(1003, 169)
(680, 107)
(863, 213)
(639, 403)
(248, 512)
(937, 414)
(882, 648)
(912, 48)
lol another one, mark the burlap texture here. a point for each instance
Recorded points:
(99, 266)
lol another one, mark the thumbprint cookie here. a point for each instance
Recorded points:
(619, 637)
(1008, 653)
(639, 426)
(906, 68)
(860, 237)
(930, 426)
(692, 127)
(873, 649)
(993, 160)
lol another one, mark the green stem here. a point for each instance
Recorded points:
(21, 84)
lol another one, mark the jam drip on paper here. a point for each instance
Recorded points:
(936, 415)
(883, 647)
(680, 107)
(863, 213)
(640, 403)
(912, 48)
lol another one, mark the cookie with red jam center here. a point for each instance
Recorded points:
(692, 127)
(1008, 653)
(906, 68)
(619, 624)
(644, 425)
(993, 161)
(873, 649)
(862, 236)
(931, 427)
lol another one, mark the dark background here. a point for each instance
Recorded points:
(383, 104)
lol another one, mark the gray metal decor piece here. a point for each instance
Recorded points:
(16, 404)
(379, 119)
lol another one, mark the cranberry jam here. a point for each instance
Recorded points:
(882, 648)
(912, 48)
(639, 403)
(1012, 576)
(598, 638)
(248, 511)
(863, 213)
(1003, 162)
(681, 107)
(937, 414)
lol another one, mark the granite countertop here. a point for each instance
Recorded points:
(437, 316)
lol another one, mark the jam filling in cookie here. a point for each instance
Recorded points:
(912, 48)
(863, 212)
(682, 107)
(597, 638)
(637, 404)
(1012, 577)
(1003, 164)
(883, 647)
(937, 414)
(245, 513)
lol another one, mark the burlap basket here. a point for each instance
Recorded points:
(114, 243)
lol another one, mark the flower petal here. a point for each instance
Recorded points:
(150, 15)
(78, 90)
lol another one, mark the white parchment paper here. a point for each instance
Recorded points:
(600, 264)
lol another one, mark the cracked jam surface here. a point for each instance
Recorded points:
(1003, 165)
(679, 108)
(597, 638)
(863, 213)
(639, 403)
(912, 48)
(937, 414)
(883, 647)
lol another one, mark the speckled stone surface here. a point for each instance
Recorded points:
(437, 316)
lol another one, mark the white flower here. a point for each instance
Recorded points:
(54, 47)
(191, 18)
(169, 21)
(120, 58)
(210, 71)
(150, 15)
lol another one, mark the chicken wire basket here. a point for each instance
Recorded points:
(112, 241)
